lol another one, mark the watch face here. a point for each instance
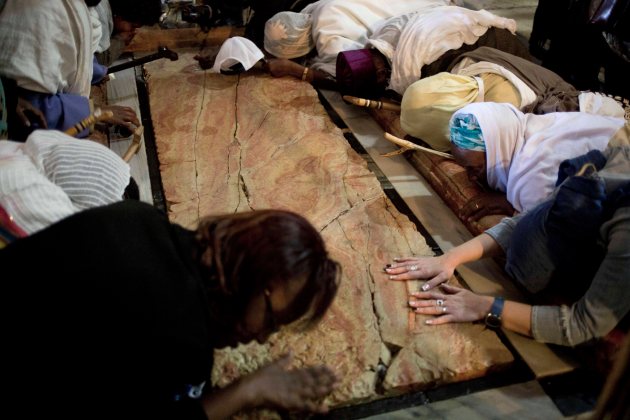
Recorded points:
(493, 321)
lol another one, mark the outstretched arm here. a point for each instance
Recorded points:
(439, 269)
(279, 67)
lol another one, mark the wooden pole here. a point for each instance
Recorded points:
(135, 144)
(369, 103)
(407, 145)
(93, 118)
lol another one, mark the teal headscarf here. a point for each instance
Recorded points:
(466, 133)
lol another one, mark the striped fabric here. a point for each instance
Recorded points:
(29, 198)
(52, 176)
(89, 173)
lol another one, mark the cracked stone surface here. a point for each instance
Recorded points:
(235, 143)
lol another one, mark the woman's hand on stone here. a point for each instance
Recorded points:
(451, 304)
(486, 204)
(436, 270)
(277, 386)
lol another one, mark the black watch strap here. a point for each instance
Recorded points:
(493, 318)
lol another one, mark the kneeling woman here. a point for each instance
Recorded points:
(115, 312)
(518, 154)
(576, 244)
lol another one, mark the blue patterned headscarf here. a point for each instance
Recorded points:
(466, 132)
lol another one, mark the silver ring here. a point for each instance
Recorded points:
(443, 309)
(439, 302)
(476, 206)
(413, 268)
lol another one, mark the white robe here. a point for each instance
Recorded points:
(46, 46)
(342, 25)
(412, 41)
(524, 151)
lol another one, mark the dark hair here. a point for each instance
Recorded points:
(143, 12)
(242, 254)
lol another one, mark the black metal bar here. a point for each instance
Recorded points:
(153, 162)
(162, 53)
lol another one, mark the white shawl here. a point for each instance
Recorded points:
(46, 46)
(342, 25)
(89, 173)
(30, 199)
(52, 175)
(426, 35)
(524, 151)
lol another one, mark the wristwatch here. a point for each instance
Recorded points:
(493, 318)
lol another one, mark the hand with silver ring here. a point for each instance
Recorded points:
(439, 302)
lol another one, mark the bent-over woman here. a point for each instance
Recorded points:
(115, 312)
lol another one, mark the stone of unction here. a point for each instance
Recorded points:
(237, 143)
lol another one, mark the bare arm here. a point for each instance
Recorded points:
(279, 67)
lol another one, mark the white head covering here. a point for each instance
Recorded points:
(288, 35)
(89, 173)
(524, 151)
(237, 50)
(429, 103)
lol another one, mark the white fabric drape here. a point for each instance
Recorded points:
(426, 35)
(236, 50)
(46, 46)
(524, 151)
(342, 25)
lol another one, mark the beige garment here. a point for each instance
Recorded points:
(621, 137)
(499, 89)
(429, 103)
